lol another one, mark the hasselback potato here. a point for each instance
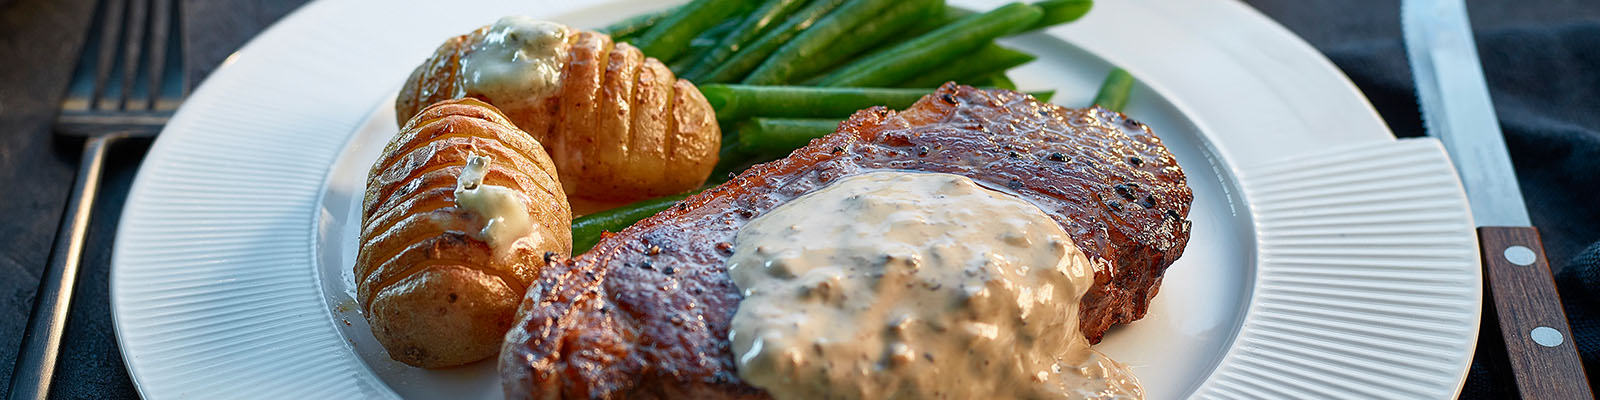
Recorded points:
(460, 210)
(618, 125)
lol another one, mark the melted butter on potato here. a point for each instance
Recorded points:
(505, 217)
(519, 60)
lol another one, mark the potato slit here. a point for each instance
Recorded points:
(414, 268)
(669, 145)
(504, 179)
(420, 202)
(389, 163)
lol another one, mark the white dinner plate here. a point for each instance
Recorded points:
(1327, 259)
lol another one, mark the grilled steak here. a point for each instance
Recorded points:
(645, 314)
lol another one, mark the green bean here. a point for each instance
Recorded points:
(700, 46)
(710, 37)
(999, 80)
(633, 26)
(731, 161)
(670, 38)
(735, 102)
(740, 64)
(779, 136)
(1058, 12)
(1055, 12)
(771, 14)
(867, 22)
(758, 140)
(763, 139)
(687, 62)
(951, 15)
(991, 58)
(1115, 90)
(899, 63)
(1043, 96)
(586, 230)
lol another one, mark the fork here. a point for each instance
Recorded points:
(127, 83)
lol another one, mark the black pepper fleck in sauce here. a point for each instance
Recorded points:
(1125, 191)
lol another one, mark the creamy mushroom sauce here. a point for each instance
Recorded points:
(915, 285)
(519, 60)
(505, 217)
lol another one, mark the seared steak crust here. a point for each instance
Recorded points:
(645, 314)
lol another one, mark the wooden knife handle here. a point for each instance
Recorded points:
(1538, 343)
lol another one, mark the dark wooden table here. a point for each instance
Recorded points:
(39, 42)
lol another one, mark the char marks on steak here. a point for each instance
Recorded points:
(645, 314)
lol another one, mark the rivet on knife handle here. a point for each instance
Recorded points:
(1544, 360)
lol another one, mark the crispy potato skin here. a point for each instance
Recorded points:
(435, 294)
(620, 128)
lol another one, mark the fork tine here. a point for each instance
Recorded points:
(129, 75)
(110, 31)
(160, 15)
(177, 61)
(132, 49)
(80, 92)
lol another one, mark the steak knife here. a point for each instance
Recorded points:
(1456, 109)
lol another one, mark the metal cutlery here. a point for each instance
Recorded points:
(128, 81)
(1457, 110)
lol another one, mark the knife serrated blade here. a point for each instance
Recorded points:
(1457, 110)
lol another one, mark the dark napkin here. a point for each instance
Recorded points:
(1542, 61)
